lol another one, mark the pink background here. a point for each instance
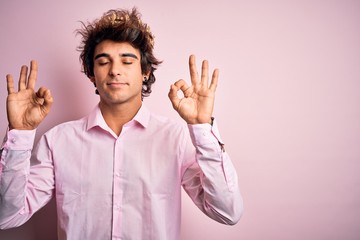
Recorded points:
(287, 102)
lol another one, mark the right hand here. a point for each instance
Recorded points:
(26, 109)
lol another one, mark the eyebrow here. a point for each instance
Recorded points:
(121, 55)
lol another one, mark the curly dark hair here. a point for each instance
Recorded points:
(120, 26)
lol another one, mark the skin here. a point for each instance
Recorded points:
(26, 108)
(118, 78)
(196, 107)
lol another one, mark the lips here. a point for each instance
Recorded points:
(111, 83)
(116, 84)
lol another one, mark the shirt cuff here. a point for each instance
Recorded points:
(19, 139)
(204, 134)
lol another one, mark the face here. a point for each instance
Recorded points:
(117, 73)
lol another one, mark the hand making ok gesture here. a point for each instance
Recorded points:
(198, 102)
(26, 109)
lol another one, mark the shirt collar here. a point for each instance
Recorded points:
(95, 118)
(143, 116)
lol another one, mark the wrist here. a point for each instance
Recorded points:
(210, 121)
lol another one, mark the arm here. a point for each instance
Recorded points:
(24, 189)
(20, 194)
(211, 181)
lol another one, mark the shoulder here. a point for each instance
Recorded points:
(171, 129)
(68, 128)
(162, 123)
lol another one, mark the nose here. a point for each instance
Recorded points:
(115, 69)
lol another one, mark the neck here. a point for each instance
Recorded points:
(117, 115)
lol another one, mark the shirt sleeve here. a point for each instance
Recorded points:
(211, 181)
(23, 189)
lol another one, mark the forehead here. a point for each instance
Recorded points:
(115, 48)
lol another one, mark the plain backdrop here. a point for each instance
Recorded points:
(287, 102)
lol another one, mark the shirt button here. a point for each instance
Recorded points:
(117, 174)
(13, 140)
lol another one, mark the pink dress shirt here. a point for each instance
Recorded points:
(117, 187)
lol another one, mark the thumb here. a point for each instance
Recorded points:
(44, 96)
(48, 99)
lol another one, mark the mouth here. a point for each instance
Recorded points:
(116, 84)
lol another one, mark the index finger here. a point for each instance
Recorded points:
(33, 74)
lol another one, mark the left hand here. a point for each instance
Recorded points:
(197, 105)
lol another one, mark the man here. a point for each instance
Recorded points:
(117, 173)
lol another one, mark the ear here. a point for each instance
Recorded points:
(146, 75)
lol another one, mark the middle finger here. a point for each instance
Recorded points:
(22, 78)
(205, 73)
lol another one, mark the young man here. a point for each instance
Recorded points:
(117, 173)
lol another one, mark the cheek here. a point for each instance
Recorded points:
(140, 82)
(100, 71)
